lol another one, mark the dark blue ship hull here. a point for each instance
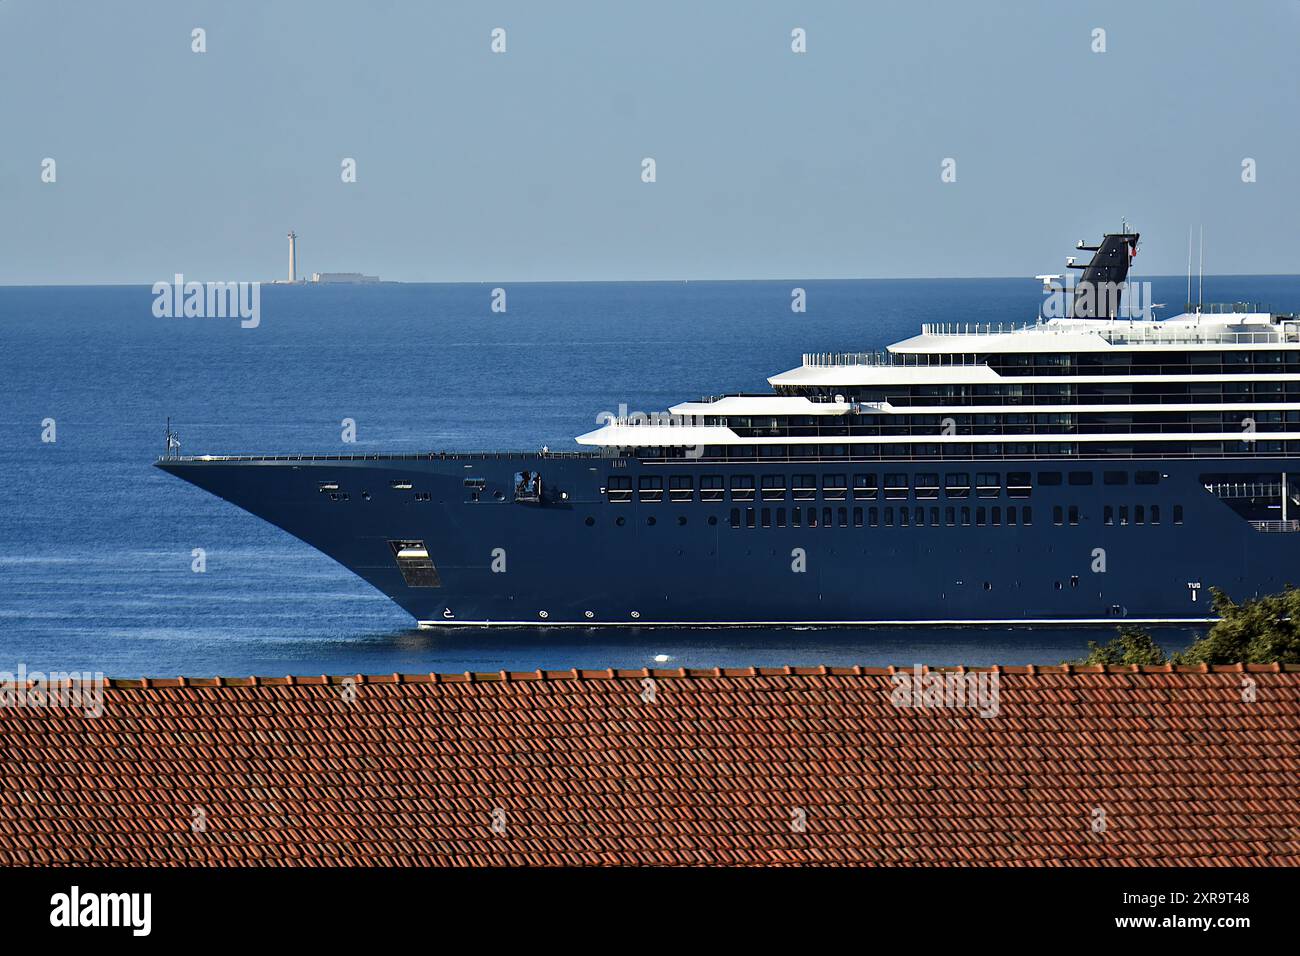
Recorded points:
(575, 558)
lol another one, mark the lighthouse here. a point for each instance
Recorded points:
(293, 256)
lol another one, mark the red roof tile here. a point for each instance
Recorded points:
(1082, 766)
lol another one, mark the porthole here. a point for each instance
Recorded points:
(681, 519)
(650, 520)
(713, 519)
(620, 521)
(590, 521)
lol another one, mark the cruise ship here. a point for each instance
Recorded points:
(1083, 469)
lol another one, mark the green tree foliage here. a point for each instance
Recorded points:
(1262, 630)
(1131, 646)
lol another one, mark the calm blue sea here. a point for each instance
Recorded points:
(95, 544)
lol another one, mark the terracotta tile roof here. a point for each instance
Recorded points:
(1081, 766)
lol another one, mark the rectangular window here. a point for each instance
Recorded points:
(1026, 516)
(766, 518)
(889, 517)
(843, 515)
(857, 517)
(1146, 478)
(618, 488)
(826, 517)
(1058, 515)
(742, 487)
(805, 487)
(1074, 514)
(1139, 514)
(1080, 477)
(1108, 515)
(927, 485)
(711, 488)
(1155, 514)
(796, 517)
(1011, 517)
(1178, 514)
(650, 488)
(950, 516)
(979, 517)
(873, 517)
(896, 485)
(1114, 477)
(864, 486)
(1123, 515)
(957, 485)
(1049, 477)
(780, 517)
(1018, 485)
(988, 484)
(812, 517)
(965, 517)
(835, 487)
(680, 488)
(735, 517)
(995, 517)
(934, 517)
(773, 487)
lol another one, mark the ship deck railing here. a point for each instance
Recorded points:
(1291, 524)
(891, 359)
(409, 456)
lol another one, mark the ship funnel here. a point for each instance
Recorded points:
(1100, 289)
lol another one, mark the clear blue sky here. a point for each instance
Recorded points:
(526, 166)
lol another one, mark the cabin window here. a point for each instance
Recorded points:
(796, 517)
(773, 487)
(711, 488)
(1155, 514)
(749, 517)
(805, 487)
(766, 517)
(780, 517)
(864, 486)
(1074, 514)
(896, 485)
(742, 487)
(873, 517)
(889, 517)
(618, 488)
(957, 485)
(1018, 484)
(650, 488)
(1011, 517)
(1146, 478)
(843, 515)
(735, 517)
(1049, 478)
(927, 485)
(834, 487)
(1114, 477)
(1080, 477)
(857, 517)
(934, 517)
(1026, 516)
(1123, 515)
(1178, 514)
(1058, 515)
(988, 484)
(680, 488)
(950, 516)
(826, 517)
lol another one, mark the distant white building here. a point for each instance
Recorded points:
(343, 277)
